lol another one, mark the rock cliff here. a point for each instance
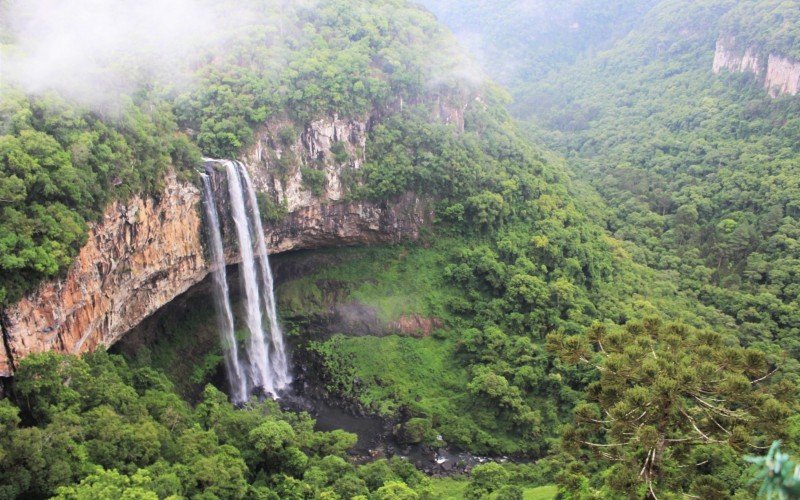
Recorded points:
(145, 252)
(783, 76)
(780, 75)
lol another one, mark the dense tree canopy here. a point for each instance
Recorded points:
(525, 273)
(95, 428)
(669, 397)
(700, 171)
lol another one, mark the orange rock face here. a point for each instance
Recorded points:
(145, 253)
(138, 257)
(416, 325)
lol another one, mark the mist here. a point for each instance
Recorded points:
(96, 51)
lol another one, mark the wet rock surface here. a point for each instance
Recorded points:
(376, 436)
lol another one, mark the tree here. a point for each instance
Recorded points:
(271, 437)
(42, 384)
(223, 474)
(109, 485)
(663, 391)
(778, 473)
(395, 490)
(490, 478)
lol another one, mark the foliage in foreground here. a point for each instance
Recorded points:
(92, 427)
(778, 472)
(673, 409)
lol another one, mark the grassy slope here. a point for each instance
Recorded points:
(540, 493)
(422, 375)
(393, 280)
(447, 488)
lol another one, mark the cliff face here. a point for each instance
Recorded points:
(337, 149)
(138, 257)
(728, 57)
(145, 252)
(780, 75)
(783, 76)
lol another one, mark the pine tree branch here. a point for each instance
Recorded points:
(765, 376)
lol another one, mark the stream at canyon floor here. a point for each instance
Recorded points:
(182, 336)
(376, 439)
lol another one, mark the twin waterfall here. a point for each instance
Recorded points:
(263, 364)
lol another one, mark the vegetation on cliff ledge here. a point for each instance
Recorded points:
(61, 163)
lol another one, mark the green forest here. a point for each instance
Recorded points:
(610, 276)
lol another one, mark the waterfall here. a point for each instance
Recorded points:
(267, 367)
(222, 302)
(278, 361)
(257, 350)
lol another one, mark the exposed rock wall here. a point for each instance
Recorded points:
(146, 252)
(728, 57)
(282, 152)
(138, 257)
(783, 76)
(779, 75)
(355, 223)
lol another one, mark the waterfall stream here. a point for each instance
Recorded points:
(267, 366)
(222, 301)
(260, 373)
(279, 363)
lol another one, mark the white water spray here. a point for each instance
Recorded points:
(278, 361)
(222, 302)
(257, 350)
(268, 367)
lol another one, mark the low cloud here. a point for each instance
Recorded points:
(94, 51)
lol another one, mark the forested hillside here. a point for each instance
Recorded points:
(606, 292)
(769, 25)
(698, 172)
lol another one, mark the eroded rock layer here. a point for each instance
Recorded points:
(139, 256)
(780, 75)
(144, 253)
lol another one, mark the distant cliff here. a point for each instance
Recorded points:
(780, 75)
(143, 253)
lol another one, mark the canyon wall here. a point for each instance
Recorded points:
(145, 252)
(780, 75)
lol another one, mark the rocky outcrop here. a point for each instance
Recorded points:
(282, 155)
(145, 252)
(139, 256)
(783, 76)
(416, 325)
(356, 223)
(780, 75)
(729, 58)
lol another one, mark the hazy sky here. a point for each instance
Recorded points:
(94, 50)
